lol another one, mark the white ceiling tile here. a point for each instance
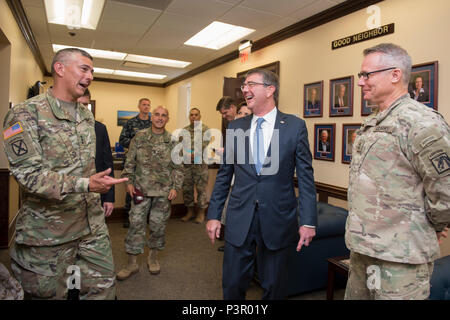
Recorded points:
(232, 1)
(159, 28)
(249, 18)
(129, 13)
(153, 4)
(312, 9)
(37, 19)
(279, 7)
(199, 8)
(171, 31)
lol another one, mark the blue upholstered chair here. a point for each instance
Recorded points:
(308, 269)
(440, 280)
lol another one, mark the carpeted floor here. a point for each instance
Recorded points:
(191, 268)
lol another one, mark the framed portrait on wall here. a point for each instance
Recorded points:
(324, 141)
(348, 139)
(341, 97)
(423, 84)
(313, 100)
(366, 107)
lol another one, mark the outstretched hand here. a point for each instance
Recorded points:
(101, 182)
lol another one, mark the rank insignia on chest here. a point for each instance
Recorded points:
(441, 163)
(360, 145)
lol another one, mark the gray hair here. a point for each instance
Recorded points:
(393, 56)
(269, 78)
(64, 55)
(161, 107)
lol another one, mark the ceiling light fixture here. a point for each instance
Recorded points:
(157, 61)
(139, 74)
(103, 54)
(128, 73)
(103, 70)
(218, 35)
(75, 14)
(114, 55)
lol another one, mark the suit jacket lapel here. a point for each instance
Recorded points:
(280, 125)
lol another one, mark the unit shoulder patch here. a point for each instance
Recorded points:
(440, 162)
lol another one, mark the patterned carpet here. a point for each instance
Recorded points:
(191, 268)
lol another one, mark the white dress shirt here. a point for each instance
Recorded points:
(267, 127)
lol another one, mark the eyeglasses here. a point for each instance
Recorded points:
(251, 84)
(365, 75)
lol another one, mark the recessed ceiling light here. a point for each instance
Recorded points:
(139, 74)
(114, 55)
(104, 54)
(75, 14)
(103, 70)
(157, 61)
(218, 35)
(129, 73)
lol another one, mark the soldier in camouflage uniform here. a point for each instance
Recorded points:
(129, 130)
(50, 144)
(152, 173)
(399, 188)
(195, 171)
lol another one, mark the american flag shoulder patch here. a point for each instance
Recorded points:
(12, 131)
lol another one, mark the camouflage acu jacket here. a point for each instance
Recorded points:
(149, 165)
(399, 188)
(130, 128)
(200, 136)
(51, 155)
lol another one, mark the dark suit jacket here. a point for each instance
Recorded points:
(423, 96)
(327, 146)
(103, 157)
(336, 102)
(312, 105)
(275, 194)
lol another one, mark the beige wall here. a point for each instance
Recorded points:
(308, 57)
(112, 97)
(20, 70)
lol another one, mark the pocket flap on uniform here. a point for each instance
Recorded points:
(425, 139)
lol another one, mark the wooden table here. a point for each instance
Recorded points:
(339, 265)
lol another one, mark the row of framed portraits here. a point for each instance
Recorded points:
(325, 141)
(423, 87)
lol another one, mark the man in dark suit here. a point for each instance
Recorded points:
(313, 102)
(263, 211)
(340, 99)
(103, 156)
(324, 144)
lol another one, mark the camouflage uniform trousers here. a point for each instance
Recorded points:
(42, 271)
(375, 279)
(159, 210)
(195, 174)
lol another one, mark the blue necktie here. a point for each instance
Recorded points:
(258, 146)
